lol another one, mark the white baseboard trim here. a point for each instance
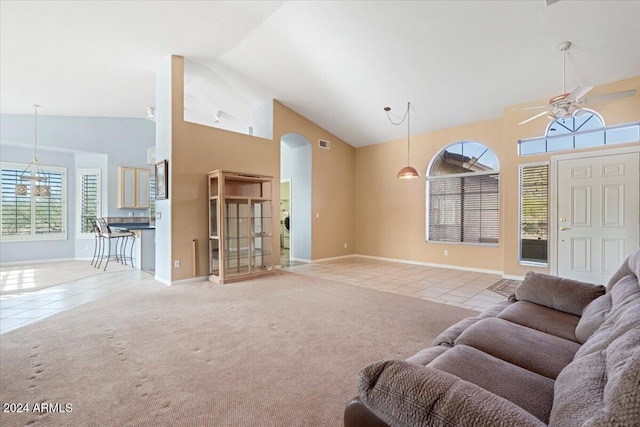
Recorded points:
(431, 264)
(37, 261)
(180, 282)
(512, 277)
(332, 258)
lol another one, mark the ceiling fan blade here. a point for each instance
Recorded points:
(533, 118)
(578, 93)
(609, 96)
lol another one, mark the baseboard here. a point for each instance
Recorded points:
(512, 277)
(301, 260)
(332, 258)
(37, 261)
(181, 282)
(431, 264)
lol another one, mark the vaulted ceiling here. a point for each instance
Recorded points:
(338, 63)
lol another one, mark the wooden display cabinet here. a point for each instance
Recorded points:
(240, 226)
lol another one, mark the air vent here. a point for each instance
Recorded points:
(324, 144)
(151, 156)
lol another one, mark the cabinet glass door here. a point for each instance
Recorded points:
(261, 235)
(214, 254)
(236, 237)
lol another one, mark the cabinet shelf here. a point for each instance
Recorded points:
(240, 226)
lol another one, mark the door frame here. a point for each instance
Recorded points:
(282, 181)
(553, 194)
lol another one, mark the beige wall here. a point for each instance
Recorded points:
(198, 149)
(390, 213)
(333, 184)
(359, 200)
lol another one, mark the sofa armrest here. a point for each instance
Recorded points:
(401, 393)
(566, 295)
(358, 415)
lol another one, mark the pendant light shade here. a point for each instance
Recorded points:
(407, 172)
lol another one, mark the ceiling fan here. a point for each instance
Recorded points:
(569, 104)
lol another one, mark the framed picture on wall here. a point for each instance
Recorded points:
(162, 181)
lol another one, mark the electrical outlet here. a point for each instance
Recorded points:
(446, 252)
(176, 263)
(317, 214)
(158, 215)
(345, 246)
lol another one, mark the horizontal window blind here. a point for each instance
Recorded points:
(534, 181)
(464, 209)
(49, 215)
(27, 213)
(89, 199)
(16, 208)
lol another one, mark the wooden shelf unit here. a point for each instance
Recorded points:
(240, 226)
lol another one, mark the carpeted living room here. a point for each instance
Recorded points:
(282, 213)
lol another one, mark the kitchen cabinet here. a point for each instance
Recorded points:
(240, 226)
(133, 188)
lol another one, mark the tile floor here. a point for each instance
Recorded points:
(20, 309)
(454, 287)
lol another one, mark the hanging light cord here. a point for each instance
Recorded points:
(406, 117)
(35, 133)
(40, 175)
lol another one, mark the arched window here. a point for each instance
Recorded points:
(463, 195)
(568, 132)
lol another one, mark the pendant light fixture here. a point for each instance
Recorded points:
(39, 176)
(407, 172)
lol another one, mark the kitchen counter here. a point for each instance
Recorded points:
(144, 251)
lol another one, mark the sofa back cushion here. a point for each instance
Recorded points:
(593, 316)
(600, 388)
(567, 295)
(623, 316)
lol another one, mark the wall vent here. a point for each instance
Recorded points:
(324, 144)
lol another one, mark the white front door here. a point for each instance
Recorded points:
(598, 212)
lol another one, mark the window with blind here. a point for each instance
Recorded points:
(534, 180)
(463, 195)
(33, 210)
(88, 196)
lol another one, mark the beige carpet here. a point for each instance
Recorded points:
(278, 351)
(18, 278)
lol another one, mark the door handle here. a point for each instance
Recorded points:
(564, 228)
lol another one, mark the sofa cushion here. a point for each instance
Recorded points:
(404, 394)
(593, 316)
(425, 356)
(567, 295)
(624, 270)
(601, 388)
(531, 391)
(618, 322)
(536, 351)
(541, 318)
(448, 336)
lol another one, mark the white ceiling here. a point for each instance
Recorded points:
(338, 63)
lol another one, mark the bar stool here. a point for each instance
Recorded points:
(98, 242)
(121, 237)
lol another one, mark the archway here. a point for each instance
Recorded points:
(295, 210)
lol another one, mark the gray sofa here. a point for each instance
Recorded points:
(558, 352)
